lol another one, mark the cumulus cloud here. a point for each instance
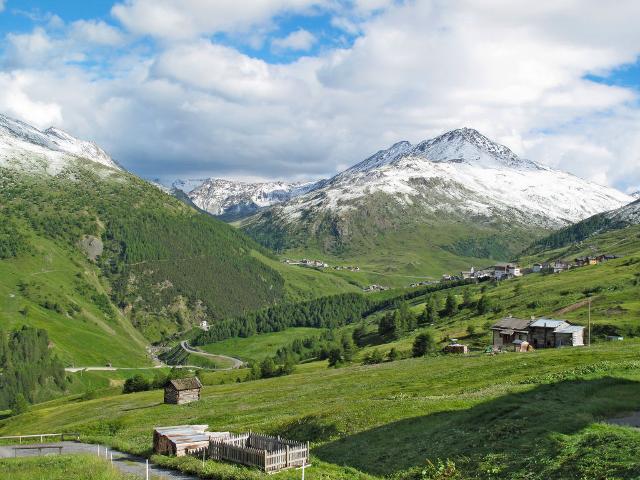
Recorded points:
(195, 107)
(191, 18)
(300, 40)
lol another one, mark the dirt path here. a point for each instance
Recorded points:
(236, 362)
(126, 463)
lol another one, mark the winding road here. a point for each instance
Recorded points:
(236, 362)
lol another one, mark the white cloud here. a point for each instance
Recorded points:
(416, 69)
(1, 5)
(301, 40)
(191, 18)
(96, 32)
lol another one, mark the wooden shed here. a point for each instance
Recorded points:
(182, 390)
(183, 439)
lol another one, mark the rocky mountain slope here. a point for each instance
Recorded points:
(26, 145)
(618, 219)
(460, 192)
(231, 200)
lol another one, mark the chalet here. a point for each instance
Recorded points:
(558, 267)
(537, 268)
(508, 330)
(506, 270)
(550, 333)
(583, 261)
(182, 390)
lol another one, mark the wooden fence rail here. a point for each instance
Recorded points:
(42, 436)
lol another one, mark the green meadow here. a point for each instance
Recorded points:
(536, 415)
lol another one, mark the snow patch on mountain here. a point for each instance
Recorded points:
(629, 214)
(232, 199)
(636, 195)
(24, 145)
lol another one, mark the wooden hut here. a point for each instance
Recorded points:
(182, 390)
(183, 439)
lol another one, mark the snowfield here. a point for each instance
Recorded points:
(50, 150)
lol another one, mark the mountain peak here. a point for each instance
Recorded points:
(468, 145)
(636, 195)
(16, 135)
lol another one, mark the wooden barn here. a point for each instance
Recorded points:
(182, 390)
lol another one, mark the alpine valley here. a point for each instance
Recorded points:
(107, 262)
(414, 210)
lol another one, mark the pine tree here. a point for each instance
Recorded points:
(451, 305)
(423, 344)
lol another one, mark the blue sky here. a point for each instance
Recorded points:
(299, 89)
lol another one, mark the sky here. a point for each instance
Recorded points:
(301, 89)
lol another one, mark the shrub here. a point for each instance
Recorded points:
(137, 383)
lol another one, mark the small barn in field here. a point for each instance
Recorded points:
(182, 390)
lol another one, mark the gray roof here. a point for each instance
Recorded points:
(570, 329)
(511, 323)
(185, 383)
(548, 323)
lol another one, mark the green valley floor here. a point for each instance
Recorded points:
(537, 415)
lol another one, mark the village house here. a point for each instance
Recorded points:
(550, 333)
(540, 333)
(503, 271)
(584, 261)
(470, 274)
(182, 390)
(537, 268)
(508, 330)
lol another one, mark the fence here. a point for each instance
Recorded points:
(268, 453)
(41, 436)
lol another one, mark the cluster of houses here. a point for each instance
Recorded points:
(519, 334)
(305, 262)
(559, 266)
(375, 288)
(504, 271)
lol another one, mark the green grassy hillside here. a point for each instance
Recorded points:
(106, 262)
(393, 244)
(492, 416)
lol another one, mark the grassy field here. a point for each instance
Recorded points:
(258, 347)
(533, 416)
(59, 467)
(81, 333)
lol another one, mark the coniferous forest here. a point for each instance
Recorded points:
(29, 371)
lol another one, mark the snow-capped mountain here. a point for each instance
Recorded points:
(230, 199)
(636, 194)
(467, 172)
(624, 216)
(460, 176)
(24, 145)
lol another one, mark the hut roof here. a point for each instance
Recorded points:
(185, 383)
(548, 323)
(513, 324)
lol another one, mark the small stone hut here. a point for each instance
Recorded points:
(182, 390)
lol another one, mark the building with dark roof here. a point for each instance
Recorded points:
(182, 390)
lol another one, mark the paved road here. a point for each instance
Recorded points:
(236, 363)
(126, 463)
